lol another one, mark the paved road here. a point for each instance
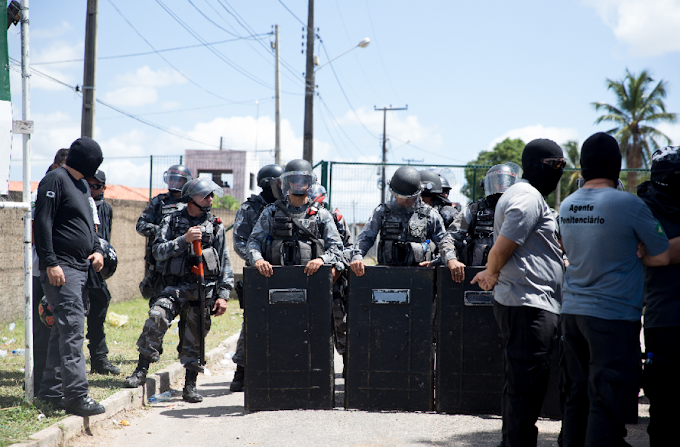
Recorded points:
(220, 420)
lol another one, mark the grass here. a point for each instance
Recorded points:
(20, 418)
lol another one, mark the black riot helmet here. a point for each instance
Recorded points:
(446, 187)
(500, 177)
(266, 173)
(176, 177)
(430, 182)
(665, 172)
(110, 259)
(406, 182)
(298, 177)
(200, 187)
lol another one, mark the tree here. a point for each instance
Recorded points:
(506, 150)
(226, 202)
(569, 182)
(638, 104)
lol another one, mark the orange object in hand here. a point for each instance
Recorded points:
(197, 269)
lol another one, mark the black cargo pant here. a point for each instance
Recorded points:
(41, 337)
(600, 366)
(662, 386)
(528, 339)
(100, 298)
(65, 374)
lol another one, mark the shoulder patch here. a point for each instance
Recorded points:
(217, 220)
(659, 229)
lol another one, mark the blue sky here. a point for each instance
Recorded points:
(472, 73)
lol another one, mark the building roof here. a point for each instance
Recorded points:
(112, 191)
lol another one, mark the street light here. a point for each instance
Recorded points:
(363, 44)
(308, 138)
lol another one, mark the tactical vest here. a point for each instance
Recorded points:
(178, 269)
(256, 203)
(288, 244)
(168, 205)
(480, 234)
(402, 243)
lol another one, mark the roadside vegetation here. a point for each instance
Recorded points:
(19, 418)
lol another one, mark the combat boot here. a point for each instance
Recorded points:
(138, 377)
(238, 380)
(189, 394)
(104, 366)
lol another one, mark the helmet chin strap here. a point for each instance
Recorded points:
(205, 209)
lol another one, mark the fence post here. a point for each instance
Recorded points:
(474, 184)
(324, 174)
(330, 183)
(150, 177)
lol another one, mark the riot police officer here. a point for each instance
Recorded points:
(433, 195)
(246, 218)
(408, 228)
(148, 223)
(173, 250)
(317, 196)
(286, 234)
(472, 230)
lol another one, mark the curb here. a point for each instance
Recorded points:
(63, 431)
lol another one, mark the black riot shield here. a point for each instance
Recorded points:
(469, 360)
(288, 339)
(389, 339)
(469, 357)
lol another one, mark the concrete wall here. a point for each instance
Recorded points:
(129, 246)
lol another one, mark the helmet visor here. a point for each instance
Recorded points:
(402, 203)
(175, 181)
(202, 188)
(297, 182)
(498, 181)
(317, 193)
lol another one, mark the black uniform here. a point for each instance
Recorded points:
(64, 236)
(100, 297)
(472, 231)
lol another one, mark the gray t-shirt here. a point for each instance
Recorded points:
(533, 275)
(601, 229)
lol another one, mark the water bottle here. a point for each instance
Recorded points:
(162, 397)
(19, 351)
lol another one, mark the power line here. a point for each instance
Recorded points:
(345, 94)
(130, 115)
(336, 122)
(331, 135)
(166, 112)
(163, 57)
(250, 31)
(293, 14)
(215, 52)
(149, 52)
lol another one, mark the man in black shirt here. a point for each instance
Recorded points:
(66, 243)
(99, 296)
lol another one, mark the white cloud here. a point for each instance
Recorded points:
(401, 128)
(57, 51)
(649, 28)
(672, 131)
(51, 33)
(557, 134)
(139, 88)
(134, 96)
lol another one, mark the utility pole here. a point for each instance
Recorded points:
(277, 139)
(87, 120)
(384, 146)
(308, 141)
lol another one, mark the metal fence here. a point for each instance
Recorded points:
(355, 188)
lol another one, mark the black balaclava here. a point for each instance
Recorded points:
(600, 157)
(662, 192)
(267, 194)
(85, 156)
(540, 175)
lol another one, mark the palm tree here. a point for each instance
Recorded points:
(637, 106)
(573, 156)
